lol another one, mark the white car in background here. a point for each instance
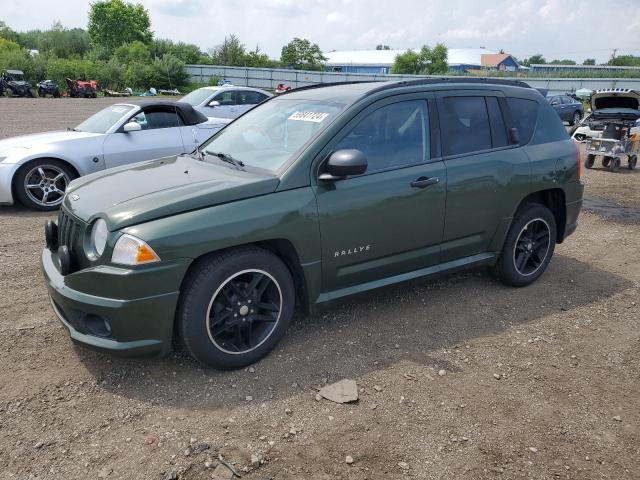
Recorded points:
(36, 169)
(225, 101)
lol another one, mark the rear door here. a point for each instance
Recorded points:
(486, 175)
(159, 137)
(383, 223)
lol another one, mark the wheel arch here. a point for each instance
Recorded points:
(29, 162)
(282, 248)
(555, 200)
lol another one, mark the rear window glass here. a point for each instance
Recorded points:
(465, 125)
(523, 115)
(550, 127)
(498, 129)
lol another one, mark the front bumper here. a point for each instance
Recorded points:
(7, 171)
(134, 319)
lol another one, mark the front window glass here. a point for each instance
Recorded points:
(104, 119)
(225, 98)
(196, 97)
(392, 136)
(271, 134)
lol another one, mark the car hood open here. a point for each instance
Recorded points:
(159, 188)
(615, 98)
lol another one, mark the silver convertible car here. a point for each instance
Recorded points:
(36, 169)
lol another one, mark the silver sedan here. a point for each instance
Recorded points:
(226, 101)
(36, 169)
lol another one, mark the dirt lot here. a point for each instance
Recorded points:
(541, 382)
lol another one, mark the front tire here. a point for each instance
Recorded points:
(235, 307)
(614, 164)
(528, 248)
(575, 120)
(588, 163)
(40, 185)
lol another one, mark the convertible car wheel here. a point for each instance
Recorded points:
(40, 185)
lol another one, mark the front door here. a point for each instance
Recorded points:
(389, 220)
(159, 137)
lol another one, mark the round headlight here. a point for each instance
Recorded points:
(99, 234)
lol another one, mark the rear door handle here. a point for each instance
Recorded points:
(424, 182)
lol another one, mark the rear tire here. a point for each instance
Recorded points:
(632, 162)
(588, 163)
(614, 165)
(606, 161)
(529, 246)
(235, 307)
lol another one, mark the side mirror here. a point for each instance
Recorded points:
(514, 136)
(214, 103)
(132, 127)
(343, 163)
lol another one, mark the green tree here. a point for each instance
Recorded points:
(231, 52)
(113, 23)
(300, 54)
(536, 59)
(427, 61)
(438, 60)
(6, 45)
(187, 52)
(566, 61)
(167, 72)
(133, 52)
(7, 33)
(407, 63)
(625, 61)
(589, 61)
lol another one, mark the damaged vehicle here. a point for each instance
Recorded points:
(36, 169)
(613, 128)
(14, 84)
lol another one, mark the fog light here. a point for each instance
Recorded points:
(97, 325)
(51, 235)
(65, 259)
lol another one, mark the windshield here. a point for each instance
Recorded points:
(104, 119)
(271, 134)
(198, 96)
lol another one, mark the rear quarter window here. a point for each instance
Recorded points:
(549, 127)
(524, 114)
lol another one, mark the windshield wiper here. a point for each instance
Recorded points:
(225, 157)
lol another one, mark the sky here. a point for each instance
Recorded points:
(574, 29)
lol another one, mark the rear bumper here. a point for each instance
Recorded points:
(573, 192)
(132, 326)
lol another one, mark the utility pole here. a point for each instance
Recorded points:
(613, 54)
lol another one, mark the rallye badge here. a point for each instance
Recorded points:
(352, 251)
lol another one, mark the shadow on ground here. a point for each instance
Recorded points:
(410, 321)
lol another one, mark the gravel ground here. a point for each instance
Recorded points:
(459, 377)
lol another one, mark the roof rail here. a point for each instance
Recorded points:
(432, 81)
(330, 84)
(419, 81)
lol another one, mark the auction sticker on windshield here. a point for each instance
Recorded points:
(315, 117)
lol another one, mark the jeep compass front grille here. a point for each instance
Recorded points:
(68, 231)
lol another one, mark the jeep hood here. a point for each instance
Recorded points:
(620, 98)
(159, 188)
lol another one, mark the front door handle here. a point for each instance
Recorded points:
(424, 182)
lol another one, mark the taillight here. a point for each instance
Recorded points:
(578, 159)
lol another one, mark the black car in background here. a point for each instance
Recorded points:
(568, 109)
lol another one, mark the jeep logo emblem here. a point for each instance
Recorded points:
(352, 251)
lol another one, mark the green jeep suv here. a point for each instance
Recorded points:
(314, 195)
